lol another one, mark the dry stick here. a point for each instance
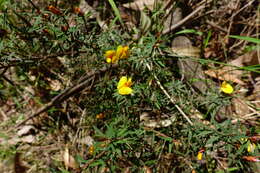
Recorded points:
(216, 26)
(257, 31)
(56, 100)
(232, 17)
(169, 97)
(92, 160)
(166, 31)
(67, 93)
(241, 9)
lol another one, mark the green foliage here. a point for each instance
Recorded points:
(50, 48)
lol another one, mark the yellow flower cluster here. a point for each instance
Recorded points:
(124, 84)
(113, 56)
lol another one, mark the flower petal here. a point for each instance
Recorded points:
(108, 60)
(122, 82)
(114, 59)
(110, 54)
(125, 90)
(226, 88)
(129, 82)
(200, 155)
(119, 51)
(124, 52)
(251, 147)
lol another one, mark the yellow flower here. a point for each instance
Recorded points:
(110, 56)
(122, 52)
(199, 156)
(251, 147)
(100, 116)
(113, 56)
(226, 88)
(91, 150)
(124, 85)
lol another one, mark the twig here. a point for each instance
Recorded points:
(66, 94)
(3, 114)
(232, 17)
(241, 9)
(3, 72)
(216, 26)
(169, 97)
(34, 6)
(167, 30)
(92, 160)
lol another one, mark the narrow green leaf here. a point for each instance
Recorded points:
(116, 11)
(206, 41)
(145, 22)
(189, 31)
(250, 39)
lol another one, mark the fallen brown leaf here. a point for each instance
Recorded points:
(141, 4)
(240, 108)
(69, 161)
(25, 130)
(226, 74)
(231, 72)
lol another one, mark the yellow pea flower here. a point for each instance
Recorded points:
(251, 147)
(91, 150)
(124, 85)
(100, 116)
(122, 52)
(113, 56)
(110, 56)
(226, 88)
(200, 154)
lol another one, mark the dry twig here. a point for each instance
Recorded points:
(180, 23)
(83, 83)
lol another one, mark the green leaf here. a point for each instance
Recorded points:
(99, 132)
(189, 31)
(212, 139)
(2, 4)
(232, 169)
(97, 162)
(205, 133)
(116, 11)
(145, 22)
(250, 39)
(64, 171)
(206, 41)
(110, 132)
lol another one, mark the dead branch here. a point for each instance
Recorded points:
(83, 83)
(180, 23)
